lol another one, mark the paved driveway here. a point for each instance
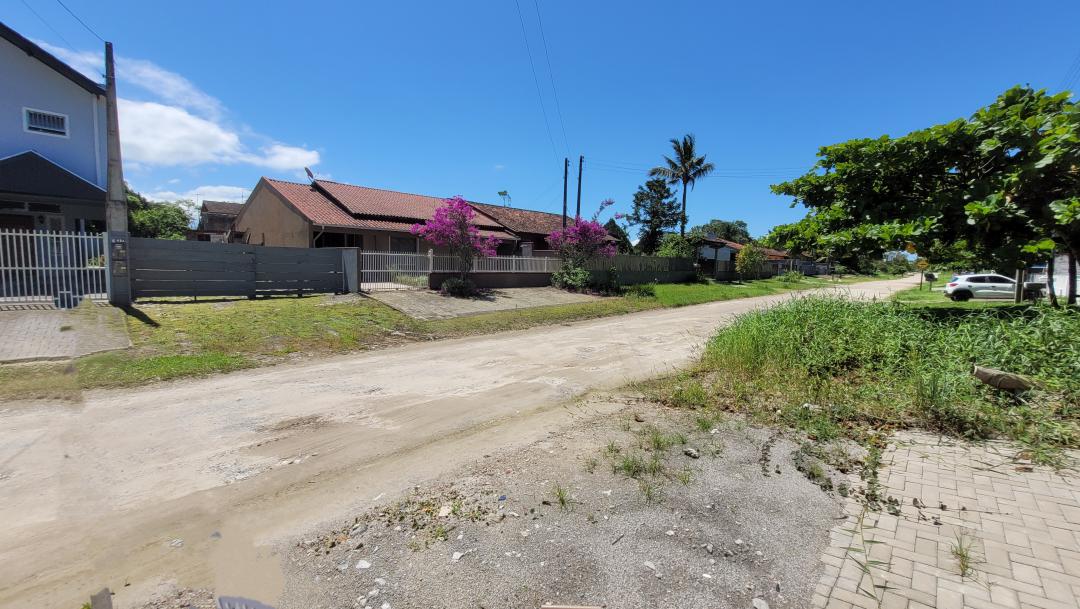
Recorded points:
(52, 334)
(426, 304)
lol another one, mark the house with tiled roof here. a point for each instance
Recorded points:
(531, 227)
(216, 220)
(324, 213)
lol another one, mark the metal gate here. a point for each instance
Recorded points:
(381, 271)
(60, 268)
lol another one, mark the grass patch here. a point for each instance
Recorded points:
(961, 551)
(562, 497)
(176, 338)
(834, 368)
(927, 298)
(630, 466)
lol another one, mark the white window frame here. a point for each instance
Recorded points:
(26, 123)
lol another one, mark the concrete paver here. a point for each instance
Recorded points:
(1014, 519)
(54, 334)
(426, 304)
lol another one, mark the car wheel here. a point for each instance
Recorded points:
(961, 296)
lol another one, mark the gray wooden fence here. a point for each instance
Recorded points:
(161, 267)
(630, 269)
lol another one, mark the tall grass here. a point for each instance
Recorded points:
(835, 367)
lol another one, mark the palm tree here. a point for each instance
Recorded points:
(685, 169)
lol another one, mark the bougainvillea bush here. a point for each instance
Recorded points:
(579, 242)
(452, 227)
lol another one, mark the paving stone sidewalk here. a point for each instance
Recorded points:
(1021, 524)
(52, 334)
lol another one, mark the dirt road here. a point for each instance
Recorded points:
(193, 481)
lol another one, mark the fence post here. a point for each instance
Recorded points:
(118, 267)
(430, 260)
(350, 266)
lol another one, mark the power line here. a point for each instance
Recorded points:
(1072, 74)
(49, 25)
(551, 77)
(83, 23)
(536, 81)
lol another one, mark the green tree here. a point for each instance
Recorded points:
(655, 211)
(678, 246)
(735, 230)
(623, 240)
(686, 169)
(749, 260)
(1003, 182)
(156, 220)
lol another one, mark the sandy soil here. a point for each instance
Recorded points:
(735, 524)
(192, 483)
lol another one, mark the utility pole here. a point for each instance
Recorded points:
(565, 175)
(580, 163)
(117, 274)
(116, 214)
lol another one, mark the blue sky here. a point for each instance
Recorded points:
(439, 98)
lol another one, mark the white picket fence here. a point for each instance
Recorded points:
(61, 268)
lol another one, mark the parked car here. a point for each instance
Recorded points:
(981, 285)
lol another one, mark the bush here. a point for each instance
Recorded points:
(571, 277)
(455, 286)
(640, 290)
(793, 277)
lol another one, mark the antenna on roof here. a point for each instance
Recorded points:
(505, 194)
(310, 175)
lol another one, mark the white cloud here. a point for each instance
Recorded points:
(169, 86)
(202, 193)
(280, 156)
(156, 134)
(182, 125)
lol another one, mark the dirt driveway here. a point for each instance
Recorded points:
(192, 481)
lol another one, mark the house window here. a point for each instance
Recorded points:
(403, 244)
(48, 123)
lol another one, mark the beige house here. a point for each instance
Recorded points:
(332, 214)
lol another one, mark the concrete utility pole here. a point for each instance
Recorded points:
(118, 278)
(565, 175)
(116, 214)
(580, 164)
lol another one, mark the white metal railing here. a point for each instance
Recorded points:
(394, 271)
(401, 271)
(500, 264)
(56, 267)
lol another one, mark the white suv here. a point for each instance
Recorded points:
(984, 285)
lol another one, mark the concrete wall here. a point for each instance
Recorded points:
(269, 220)
(495, 280)
(28, 83)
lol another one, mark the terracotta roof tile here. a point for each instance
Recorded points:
(522, 220)
(313, 204)
(222, 207)
(382, 209)
(362, 200)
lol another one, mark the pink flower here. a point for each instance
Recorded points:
(451, 226)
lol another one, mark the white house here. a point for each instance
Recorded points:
(1061, 274)
(53, 156)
